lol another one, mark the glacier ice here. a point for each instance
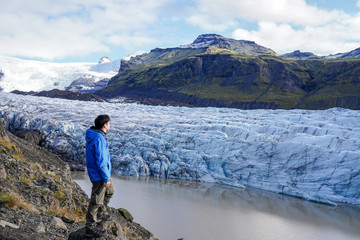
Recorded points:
(30, 75)
(314, 155)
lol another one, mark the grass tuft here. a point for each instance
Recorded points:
(13, 201)
(77, 215)
(11, 149)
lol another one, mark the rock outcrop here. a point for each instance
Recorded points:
(39, 200)
(56, 93)
(298, 55)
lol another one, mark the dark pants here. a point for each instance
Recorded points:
(100, 197)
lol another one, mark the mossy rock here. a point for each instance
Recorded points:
(126, 214)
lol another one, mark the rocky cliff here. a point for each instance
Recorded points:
(220, 77)
(39, 200)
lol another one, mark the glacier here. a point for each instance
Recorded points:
(31, 75)
(311, 154)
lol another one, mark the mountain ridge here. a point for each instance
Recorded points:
(241, 46)
(243, 75)
(221, 77)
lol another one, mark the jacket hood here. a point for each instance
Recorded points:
(93, 133)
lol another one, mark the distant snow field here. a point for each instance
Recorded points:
(30, 75)
(314, 155)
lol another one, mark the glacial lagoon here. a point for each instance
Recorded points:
(174, 209)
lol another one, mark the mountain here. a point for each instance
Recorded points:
(104, 60)
(352, 54)
(240, 46)
(87, 85)
(298, 55)
(29, 75)
(208, 73)
(204, 43)
(305, 153)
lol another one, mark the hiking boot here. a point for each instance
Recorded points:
(94, 232)
(104, 217)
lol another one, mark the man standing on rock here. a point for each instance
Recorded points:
(99, 169)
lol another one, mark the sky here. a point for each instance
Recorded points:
(86, 30)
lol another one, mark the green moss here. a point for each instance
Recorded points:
(328, 96)
(60, 195)
(25, 180)
(11, 178)
(79, 215)
(55, 177)
(11, 149)
(284, 98)
(222, 93)
(6, 199)
(44, 192)
(34, 166)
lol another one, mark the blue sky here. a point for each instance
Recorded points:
(85, 30)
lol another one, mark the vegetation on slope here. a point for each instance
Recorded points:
(228, 77)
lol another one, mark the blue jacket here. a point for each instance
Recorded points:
(97, 156)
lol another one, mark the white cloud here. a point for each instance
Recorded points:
(322, 40)
(296, 12)
(283, 25)
(130, 41)
(55, 29)
(358, 3)
(210, 23)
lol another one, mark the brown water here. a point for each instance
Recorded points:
(173, 209)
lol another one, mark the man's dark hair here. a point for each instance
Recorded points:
(101, 120)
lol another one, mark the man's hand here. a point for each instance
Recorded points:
(107, 184)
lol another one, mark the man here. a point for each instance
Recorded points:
(99, 169)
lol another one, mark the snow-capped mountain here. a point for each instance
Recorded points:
(104, 59)
(241, 46)
(30, 75)
(352, 54)
(310, 154)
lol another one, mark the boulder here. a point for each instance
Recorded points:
(126, 214)
(40, 228)
(58, 223)
(5, 223)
